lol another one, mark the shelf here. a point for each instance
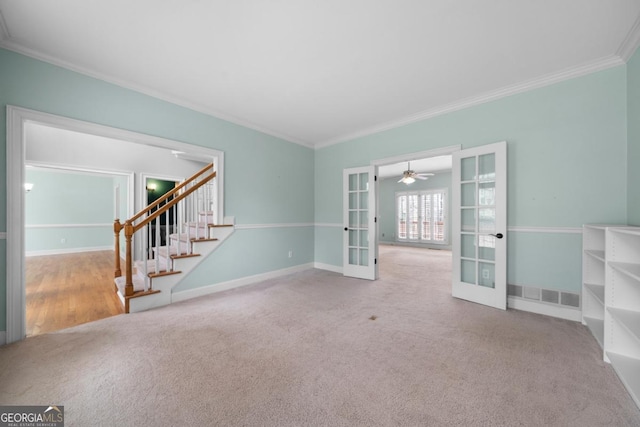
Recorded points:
(632, 231)
(599, 255)
(596, 326)
(629, 269)
(628, 370)
(597, 291)
(630, 319)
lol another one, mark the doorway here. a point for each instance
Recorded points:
(18, 122)
(414, 215)
(69, 245)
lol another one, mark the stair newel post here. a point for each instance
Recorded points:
(128, 235)
(117, 227)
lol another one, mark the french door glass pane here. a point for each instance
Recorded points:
(486, 274)
(468, 194)
(364, 238)
(487, 248)
(468, 246)
(468, 271)
(353, 238)
(487, 220)
(353, 219)
(353, 182)
(468, 217)
(353, 200)
(353, 256)
(364, 257)
(487, 167)
(487, 193)
(468, 166)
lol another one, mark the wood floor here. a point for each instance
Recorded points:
(70, 289)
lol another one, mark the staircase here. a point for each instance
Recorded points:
(172, 235)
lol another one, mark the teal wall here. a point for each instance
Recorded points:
(62, 198)
(387, 204)
(568, 156)
(267, 180)
(633, 135)
(566, 167)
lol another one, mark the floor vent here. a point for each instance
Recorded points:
(548, 296)
(514, 290)
(572, 300)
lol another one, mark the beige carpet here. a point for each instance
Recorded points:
(304, 351)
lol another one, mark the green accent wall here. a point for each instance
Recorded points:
(267, 180)
(387, 205)
(633, 136)
(566, 167)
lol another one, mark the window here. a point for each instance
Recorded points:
(422, 216)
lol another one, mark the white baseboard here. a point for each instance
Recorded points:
(68, 251)
(236, 283)
(538, 307)
(3, 337)
(328, 267)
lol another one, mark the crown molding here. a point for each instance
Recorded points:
(622, 55)
(7, 43)
(4, 30)
(547, 80)
(630, 43)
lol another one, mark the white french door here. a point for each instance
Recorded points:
(479, 225)
(359, 219)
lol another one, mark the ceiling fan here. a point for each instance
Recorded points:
(410, 176)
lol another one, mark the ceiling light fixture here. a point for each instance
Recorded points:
(409, 176)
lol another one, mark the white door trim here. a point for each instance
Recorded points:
(17, 117)
(444, 151)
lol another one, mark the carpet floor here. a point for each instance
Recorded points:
(318, 349)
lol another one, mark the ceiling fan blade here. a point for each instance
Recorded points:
(401, 179)
(427, 174)
(421, 177)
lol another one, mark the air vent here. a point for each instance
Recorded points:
(514, 290)
(550, 296)
(572, 300)
(531, 293)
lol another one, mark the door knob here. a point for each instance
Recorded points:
(497, 236)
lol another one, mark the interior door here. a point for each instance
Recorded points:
(359, 219)
(479, 225)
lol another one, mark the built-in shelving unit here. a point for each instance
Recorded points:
(593, 279)
(611, 297)
(622, 305)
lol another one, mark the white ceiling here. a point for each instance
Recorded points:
(320, 72)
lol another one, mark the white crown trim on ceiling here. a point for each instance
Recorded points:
(630, 43)
(624, 52)
(547, 80)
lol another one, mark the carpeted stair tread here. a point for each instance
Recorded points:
(138, 283)
(151, 266)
